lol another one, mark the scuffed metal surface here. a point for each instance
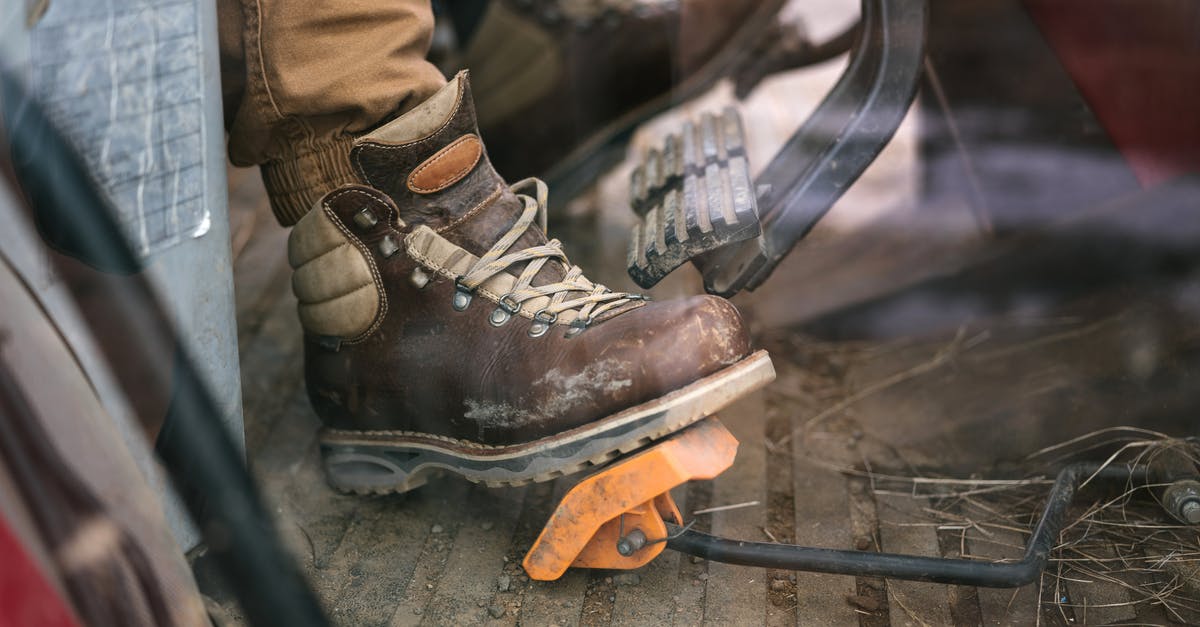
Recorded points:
(124, 80)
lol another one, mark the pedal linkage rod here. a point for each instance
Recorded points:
(914, 567)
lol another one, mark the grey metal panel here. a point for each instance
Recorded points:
(167, 183)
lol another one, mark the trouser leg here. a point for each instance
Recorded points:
(302, 77)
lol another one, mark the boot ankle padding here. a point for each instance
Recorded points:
(335, 279)
(423, 121)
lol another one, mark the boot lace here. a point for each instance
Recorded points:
(573, 293)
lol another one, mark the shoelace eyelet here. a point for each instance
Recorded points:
(577, 326)
(388, 246)
(365, 219)
(462, 296)
(500, 256)
(420, 278)
(507, 308)
(542, 323)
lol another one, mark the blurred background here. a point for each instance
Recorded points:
(1010, 286)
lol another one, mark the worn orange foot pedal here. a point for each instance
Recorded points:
(615, 517)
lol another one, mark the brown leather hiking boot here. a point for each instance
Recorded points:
(563, 83)
(443, 331)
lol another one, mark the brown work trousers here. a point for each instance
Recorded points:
(301, 78)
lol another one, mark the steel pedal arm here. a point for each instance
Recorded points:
(913, 567)
(834, 146)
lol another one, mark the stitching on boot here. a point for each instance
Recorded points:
(343, 294)
(383, 304)
(431, 436)
(323, 253)
(357, 155)
(438, 157)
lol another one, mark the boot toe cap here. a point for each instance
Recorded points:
(670, 344)
(716, 336)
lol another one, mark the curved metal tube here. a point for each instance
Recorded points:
(913, 567)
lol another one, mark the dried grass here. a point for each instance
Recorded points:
(1117, 537)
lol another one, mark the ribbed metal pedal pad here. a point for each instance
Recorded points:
(693, 196)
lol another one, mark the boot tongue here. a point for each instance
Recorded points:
(432, 163)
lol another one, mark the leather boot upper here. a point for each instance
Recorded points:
(379, 275)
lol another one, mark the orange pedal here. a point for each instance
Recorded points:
(630, 497)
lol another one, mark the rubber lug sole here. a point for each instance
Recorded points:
(388, 462)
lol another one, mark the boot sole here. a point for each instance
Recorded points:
(384, 462)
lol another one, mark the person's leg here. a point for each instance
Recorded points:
(301, 78)
(443, 330)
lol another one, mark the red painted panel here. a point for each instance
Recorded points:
(1137, 63)
(26, 598)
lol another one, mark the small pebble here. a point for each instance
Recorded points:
(481, 602)
(702, 576)
(429, 586)
(779, 585)
(496, 611)
(608, 580)
(696, 559)
(627, 579)
(862, 543)
(504, 583)
(436, 529)
(862, 602)
(612, 597)
(418, 611)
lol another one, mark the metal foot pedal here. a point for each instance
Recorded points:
(692, 197)
(617, 517)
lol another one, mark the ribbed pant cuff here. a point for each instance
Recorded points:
(295, 185)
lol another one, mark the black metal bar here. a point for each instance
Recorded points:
(102, 274)
(835, 145)
(913, 567)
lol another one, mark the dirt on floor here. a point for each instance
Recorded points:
(934, 372)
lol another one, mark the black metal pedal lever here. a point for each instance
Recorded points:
(857, 118)
(914, 567)
(695, 200)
